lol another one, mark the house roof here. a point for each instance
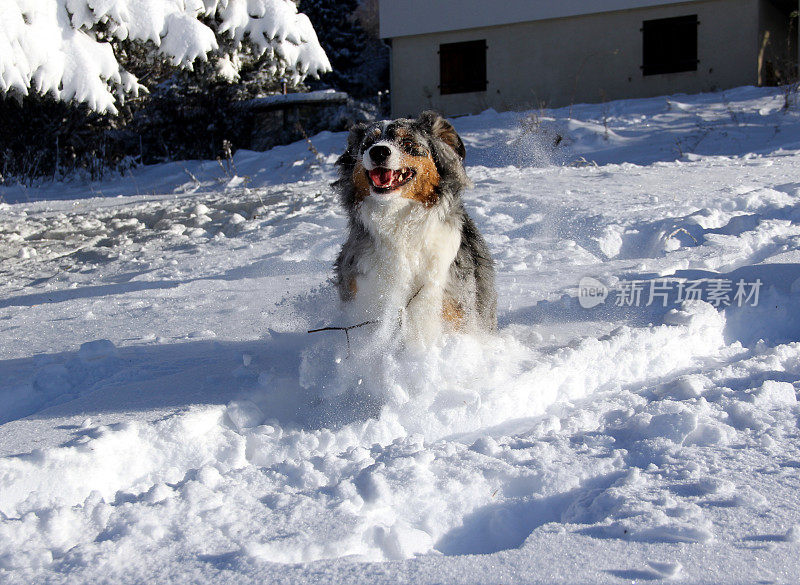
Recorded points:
(400, 18)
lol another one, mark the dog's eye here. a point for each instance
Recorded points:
(407, 144)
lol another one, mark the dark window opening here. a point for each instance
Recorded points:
(669, 45)
(462, 67)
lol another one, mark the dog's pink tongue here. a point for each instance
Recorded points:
(381, 177)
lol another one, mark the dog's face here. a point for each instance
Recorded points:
(414, 159)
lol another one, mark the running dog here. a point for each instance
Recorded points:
(413, 256)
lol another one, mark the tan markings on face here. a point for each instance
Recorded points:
(422, 187)
(453, 313)
(352, 289)
(360, 182)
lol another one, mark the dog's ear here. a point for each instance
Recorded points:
(357, 132)
(443, 130)
(354, 139)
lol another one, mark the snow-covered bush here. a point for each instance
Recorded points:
(70, 49)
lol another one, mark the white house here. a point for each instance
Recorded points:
(463, 56)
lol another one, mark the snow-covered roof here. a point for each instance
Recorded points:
(311, 97)
(399, 18)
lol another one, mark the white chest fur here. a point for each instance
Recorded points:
(412, 248)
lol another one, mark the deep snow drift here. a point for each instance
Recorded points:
(164, 417)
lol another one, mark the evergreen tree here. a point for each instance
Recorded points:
(95, 85)
(360, 60)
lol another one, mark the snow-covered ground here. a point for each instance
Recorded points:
(166, 418)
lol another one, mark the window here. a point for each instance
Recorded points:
(462, 67)
(669, 45)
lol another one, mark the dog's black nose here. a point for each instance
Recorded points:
(379, 153)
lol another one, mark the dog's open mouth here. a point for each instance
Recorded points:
(388, 179)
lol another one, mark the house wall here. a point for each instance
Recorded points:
(589, 58)
(414, 17)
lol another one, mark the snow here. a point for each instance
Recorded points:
(52, 46)
(309, 96)
(165, 417)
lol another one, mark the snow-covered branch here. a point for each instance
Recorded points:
(66, 47)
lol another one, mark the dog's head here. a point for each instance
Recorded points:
(420, 160)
